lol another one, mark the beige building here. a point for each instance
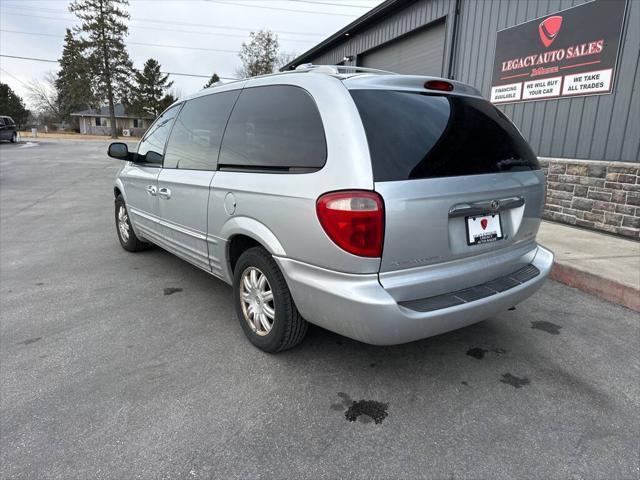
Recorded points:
(98, 122)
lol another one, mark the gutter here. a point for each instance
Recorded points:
(454, 42)
(383, 9)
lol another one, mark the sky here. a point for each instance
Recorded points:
(196, 37)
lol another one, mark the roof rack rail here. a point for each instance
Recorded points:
(336, 69)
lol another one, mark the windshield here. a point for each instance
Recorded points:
(418, 135)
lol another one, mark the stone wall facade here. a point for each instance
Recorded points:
(594, 194)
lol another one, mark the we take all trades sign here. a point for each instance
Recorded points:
(569, 53)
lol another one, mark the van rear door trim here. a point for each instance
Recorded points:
(484, 207)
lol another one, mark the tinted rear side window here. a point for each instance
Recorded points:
(274, 128)
(414, 135)
(197, 132)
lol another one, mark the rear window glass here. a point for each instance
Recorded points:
(415, 135)
(274, 128)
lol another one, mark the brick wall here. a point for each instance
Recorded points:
(594, 194)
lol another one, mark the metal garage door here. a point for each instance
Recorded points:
(418, 53)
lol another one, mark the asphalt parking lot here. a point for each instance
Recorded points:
(119, 365)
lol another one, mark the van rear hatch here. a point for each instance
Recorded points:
(457, 180)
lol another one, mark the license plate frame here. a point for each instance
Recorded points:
(473, 229)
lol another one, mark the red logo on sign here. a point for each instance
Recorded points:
(549, 28)
(483, 223)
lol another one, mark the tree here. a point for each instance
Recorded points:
(259, 55)
(214, 79)
(43, 95)
(167, 100)
(148, 94)
(74, 82)
(103, 30)
(12, 105)
(284, 58)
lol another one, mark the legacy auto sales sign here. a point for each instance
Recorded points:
(569, 53)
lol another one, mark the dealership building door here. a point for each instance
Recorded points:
(418, 53)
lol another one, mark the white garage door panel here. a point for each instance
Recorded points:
(419, 53)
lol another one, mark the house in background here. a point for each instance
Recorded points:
(98, 122)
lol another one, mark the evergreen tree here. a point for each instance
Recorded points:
(167, 100)
(214, 79)
(12, 105)
(74, 81)
(103, 30)
(260, 54)
(148, 92)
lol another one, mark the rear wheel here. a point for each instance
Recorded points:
(126, 235)
(264, 306)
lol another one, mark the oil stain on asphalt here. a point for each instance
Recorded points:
(479, 353)
(29, 341)
(514, 381)
(364, 411)
(171, 290)
(548, 327)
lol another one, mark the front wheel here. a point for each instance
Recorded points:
(264, 305)
(126, 235)
(14, 137)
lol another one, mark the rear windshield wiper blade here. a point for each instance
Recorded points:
(509, 163)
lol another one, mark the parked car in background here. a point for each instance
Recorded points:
(386, 208)
(8, 129)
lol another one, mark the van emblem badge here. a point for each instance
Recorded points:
(483, 223)
(495, 204)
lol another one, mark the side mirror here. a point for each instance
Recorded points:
(120, 151)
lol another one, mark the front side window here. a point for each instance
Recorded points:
(151, 148)
(416, 135)
(195, 139)
(274, 128)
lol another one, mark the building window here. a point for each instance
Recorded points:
(101, 122)
(138, 123)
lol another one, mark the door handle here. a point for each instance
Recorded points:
(152, 190)
(482, 208)
(165, 193)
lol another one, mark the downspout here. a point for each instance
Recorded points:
(454, 41)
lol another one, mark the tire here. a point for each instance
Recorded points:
(131, 243)
(288, 328)
(14, 137)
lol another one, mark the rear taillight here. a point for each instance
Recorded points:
(354, 220)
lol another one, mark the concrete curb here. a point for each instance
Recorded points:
(606, 289)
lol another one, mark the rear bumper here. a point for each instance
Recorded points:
(357, 306)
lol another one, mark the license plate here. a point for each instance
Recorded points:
(483, 229)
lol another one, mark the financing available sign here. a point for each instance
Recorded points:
(569, 53)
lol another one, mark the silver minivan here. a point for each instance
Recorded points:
(386, 208)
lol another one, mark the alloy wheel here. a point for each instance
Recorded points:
(123, 223)
(256, 299)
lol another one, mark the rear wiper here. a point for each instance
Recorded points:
(509, 163)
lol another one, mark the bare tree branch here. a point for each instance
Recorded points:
(43, 95)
